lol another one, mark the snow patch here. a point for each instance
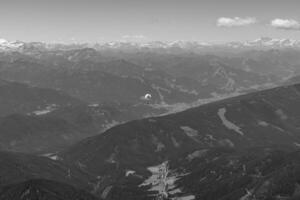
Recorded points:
(228, 123)
(111, 124)
(226, 142)
(189, 131)
(263, 123)
(94, 105)
(163, 181)
(48, 109)
(106, 192)
(297, 144)
(129, 172)
(189, 197)
(158, 179)
(52, 156)
(281, 114)
(197, 154)
(175, 143)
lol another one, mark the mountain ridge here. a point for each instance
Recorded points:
(260, 43)
(261, 122)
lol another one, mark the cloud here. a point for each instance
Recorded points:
(235, 22)
(286, 24)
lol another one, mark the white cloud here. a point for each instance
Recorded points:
(236, 21)
(287, 24)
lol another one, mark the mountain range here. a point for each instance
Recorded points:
(263, 42)
(162, 120)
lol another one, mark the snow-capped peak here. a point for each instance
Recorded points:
(169, 46)
(3, 41)
(10, 45)
(273, 42)
(263, 42)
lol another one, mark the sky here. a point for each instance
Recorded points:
(148, 20)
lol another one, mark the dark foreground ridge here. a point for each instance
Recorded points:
(39, 189)
(222, 150)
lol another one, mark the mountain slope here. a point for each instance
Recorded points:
(261, 120)
(18, 167)
(257, 173)
(38, 134)
(21, 98)
(39, 189)
(267, 117)
(50, 132)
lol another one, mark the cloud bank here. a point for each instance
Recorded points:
(235, 22)
(286, 24)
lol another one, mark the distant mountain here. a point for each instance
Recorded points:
(38, 120)
(61, 54)
(170, 80)
(157, 46)
(21, 98)
(94, 86)
(124, 155)
(266, 43)
(39, 189)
